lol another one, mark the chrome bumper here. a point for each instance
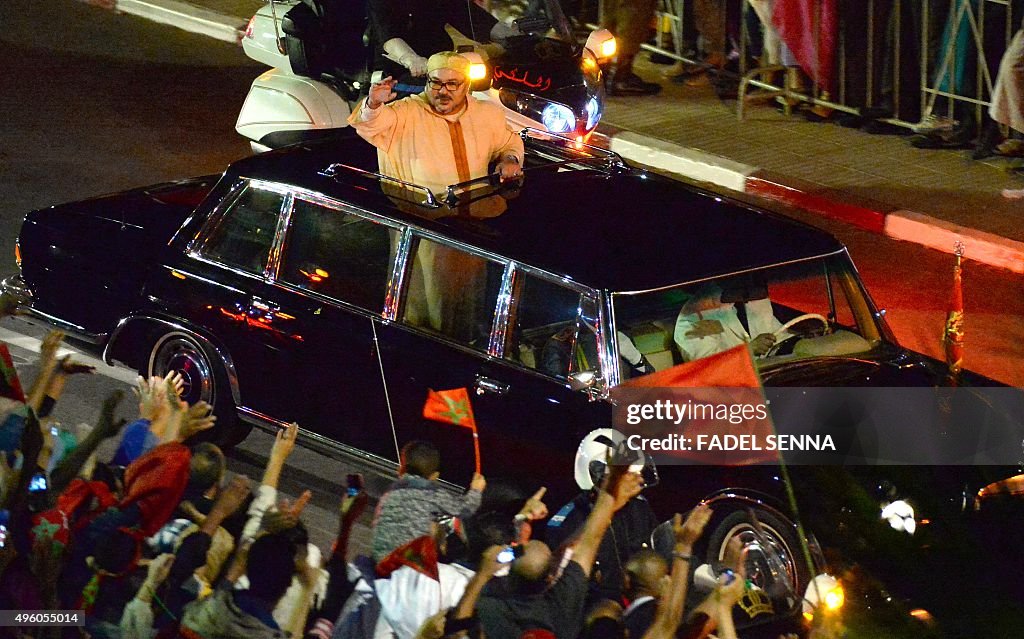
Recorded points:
(15, 286)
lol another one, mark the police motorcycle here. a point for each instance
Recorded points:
(321, 60)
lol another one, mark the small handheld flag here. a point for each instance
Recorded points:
(10, 385)
(453, 407)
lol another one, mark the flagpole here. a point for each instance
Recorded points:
(476, 448)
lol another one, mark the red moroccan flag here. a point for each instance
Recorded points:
(453, 407)
(953, 335)
(726, 381)
(10, 385)
(729, 369)
(420, 554)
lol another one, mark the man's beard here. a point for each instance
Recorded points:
(445, 105)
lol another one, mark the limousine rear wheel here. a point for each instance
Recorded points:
(777, 550)
(204, 380)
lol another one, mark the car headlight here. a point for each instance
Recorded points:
(557, 118)
(823, 593)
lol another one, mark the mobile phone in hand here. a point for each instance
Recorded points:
(355, 484)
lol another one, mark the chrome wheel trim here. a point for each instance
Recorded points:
(758, 570)
(178, 352)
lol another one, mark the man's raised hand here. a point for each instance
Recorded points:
(687, 533)
(284, 443)
(381, 92)
(535, 509)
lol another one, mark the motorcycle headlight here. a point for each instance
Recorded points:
(557, 118)
(593, 113)
(900, 516)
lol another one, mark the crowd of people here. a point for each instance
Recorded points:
(159, 540)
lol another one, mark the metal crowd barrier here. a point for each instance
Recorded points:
(937, 72)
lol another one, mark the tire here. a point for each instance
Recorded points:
(205, 380)
(779, 533)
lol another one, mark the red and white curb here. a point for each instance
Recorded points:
(690, 163)
(907, 226)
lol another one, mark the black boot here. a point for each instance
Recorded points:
(623, 82)
(987, 141)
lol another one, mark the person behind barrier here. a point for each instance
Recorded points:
(711, 322)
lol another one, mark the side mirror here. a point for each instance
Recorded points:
(588, 382)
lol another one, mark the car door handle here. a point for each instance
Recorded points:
(488, 385)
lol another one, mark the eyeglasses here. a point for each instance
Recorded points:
(451, 85)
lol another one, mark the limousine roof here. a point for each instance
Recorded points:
(620, 230)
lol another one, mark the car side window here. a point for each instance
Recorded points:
(245, 232)
(341, 255)
(548, 334)
(452, 292)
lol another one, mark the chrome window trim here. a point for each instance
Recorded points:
(517, 270)
(319, 199)
(284, 219)
(465, 248)
(733, 273)
(393, 299)
(499, 325)
(609, 348)
(197, 246)
(225, 203)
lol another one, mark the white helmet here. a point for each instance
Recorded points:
(593, 454)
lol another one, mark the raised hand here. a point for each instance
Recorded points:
(381, 92)
(109, 426)
(687, 533)
(534, 509)
(295, 509)
(489, 563)
(197, 418)
(231, 498)
(478, 482)
(50, 344)
(284, 442)
(70, 367)
(152, 402)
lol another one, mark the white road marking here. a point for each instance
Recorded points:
(29, 343)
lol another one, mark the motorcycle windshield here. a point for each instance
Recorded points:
(545, 18)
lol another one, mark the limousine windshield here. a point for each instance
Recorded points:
(811, 308)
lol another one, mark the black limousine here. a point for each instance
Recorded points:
(302, 286)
